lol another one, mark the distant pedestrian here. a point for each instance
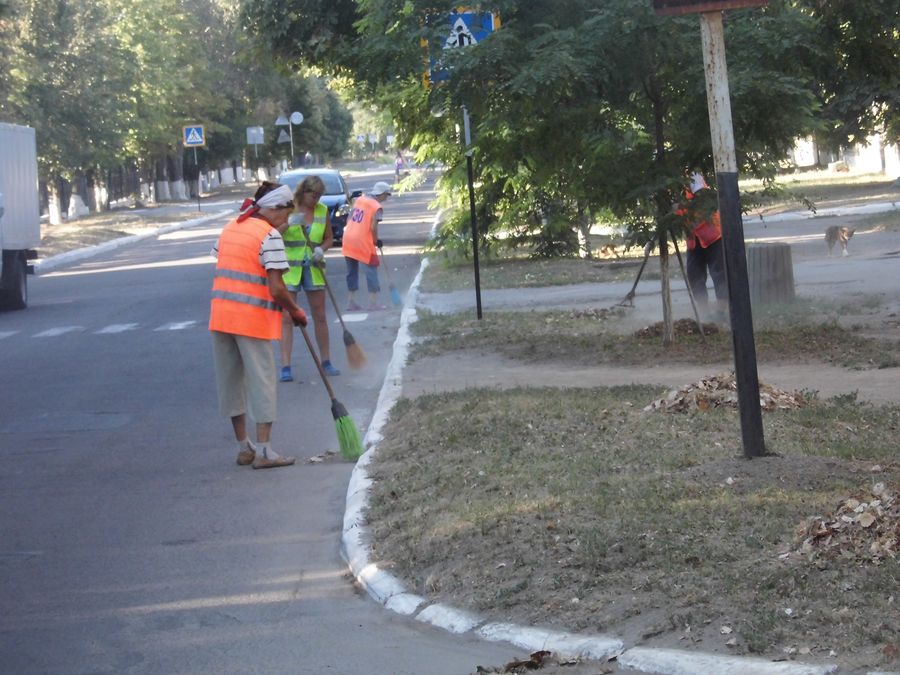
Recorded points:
(360, 243)
(705, 253)
(307, 236)
(398, 166)
(248, 297)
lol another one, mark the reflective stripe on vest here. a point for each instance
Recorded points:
(298, 253)
(241, 303)
(359, 240)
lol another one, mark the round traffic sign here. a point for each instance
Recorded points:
(296, 118)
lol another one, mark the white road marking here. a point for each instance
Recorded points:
(177, 325)
(7, 333)
(62, 330)
(117, 328)
(355, 316)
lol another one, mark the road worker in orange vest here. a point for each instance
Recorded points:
(705, 253)
(248, 296)
(360, 243)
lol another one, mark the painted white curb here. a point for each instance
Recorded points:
(449, 618)
(567, 645)
(675, 662)
(50, 264)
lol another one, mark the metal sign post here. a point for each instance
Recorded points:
(255, 136)
(194, 136)
(718, 101)
(471, 176)
(468, 27)
(719, 104)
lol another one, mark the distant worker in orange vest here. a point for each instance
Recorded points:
(704, 249)
(248, 296)
(360, 243)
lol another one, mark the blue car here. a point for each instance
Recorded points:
(337, 196)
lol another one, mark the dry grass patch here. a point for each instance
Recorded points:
(576, 509)
(524, 272)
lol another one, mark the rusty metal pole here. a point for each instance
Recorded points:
(719, 103)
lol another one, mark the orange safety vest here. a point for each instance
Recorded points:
(241, 301)
(359, 240)
(706, 232)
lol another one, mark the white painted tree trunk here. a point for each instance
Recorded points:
(177, 191)
(146, 194)
(77, 208)
(54, 209)
(213, 179)
(101, 194)
(227, 174)
(162, 191)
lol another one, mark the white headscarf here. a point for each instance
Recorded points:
(277, 197)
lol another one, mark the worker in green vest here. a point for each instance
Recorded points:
(307, 235)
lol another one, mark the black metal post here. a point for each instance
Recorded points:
(471, 173)
(719, 104)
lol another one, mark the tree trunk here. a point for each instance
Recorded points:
(583, 230)
(771, 273)
(668, 336)
(175, 166)
(54, 205)
(77, 207)
(161, 181)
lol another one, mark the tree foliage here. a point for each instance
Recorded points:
(106, 82)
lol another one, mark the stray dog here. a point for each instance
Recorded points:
(835, 234)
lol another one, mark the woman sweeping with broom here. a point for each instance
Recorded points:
(360, 242)
(307, 235)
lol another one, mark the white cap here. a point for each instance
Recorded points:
(381, 188)
(698, 182)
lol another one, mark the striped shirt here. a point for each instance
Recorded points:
(271, 252)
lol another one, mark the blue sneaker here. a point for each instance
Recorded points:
(329, 369)
(286, 375)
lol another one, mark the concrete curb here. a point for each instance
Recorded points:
(390, 592)
(54, 262)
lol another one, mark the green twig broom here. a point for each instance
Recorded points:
(347, 433)
(356, 357)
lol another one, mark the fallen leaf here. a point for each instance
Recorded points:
(866, 519)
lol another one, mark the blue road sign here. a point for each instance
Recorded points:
(465, 28)
(193, 136)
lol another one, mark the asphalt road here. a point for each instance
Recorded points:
(130, 541)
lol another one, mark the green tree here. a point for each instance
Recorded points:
(859, 70)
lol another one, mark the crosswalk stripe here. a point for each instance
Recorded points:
(116, 328)
(177, 325)
(62, 330)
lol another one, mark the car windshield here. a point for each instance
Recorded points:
(332, 182)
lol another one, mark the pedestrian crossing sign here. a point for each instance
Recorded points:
(466, 28)
(193, 136)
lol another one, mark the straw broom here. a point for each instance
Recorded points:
(395, 294)
(347, 433)
(356, 357)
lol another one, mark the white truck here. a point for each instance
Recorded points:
(20, 217)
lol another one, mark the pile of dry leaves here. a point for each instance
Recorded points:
(679, 327)
(864, 527)
(721, 390)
